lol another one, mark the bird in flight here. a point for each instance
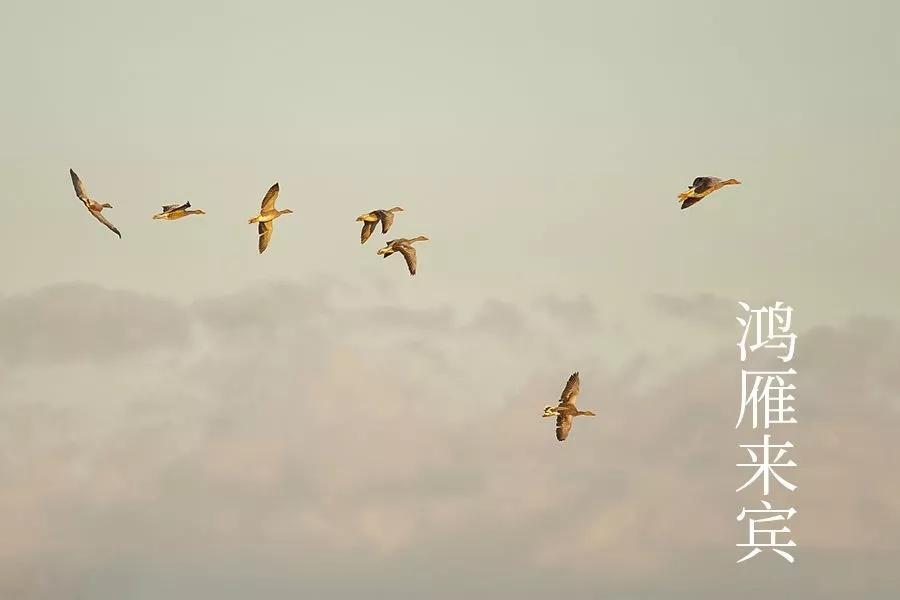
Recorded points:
(267, 214)
(701, 188)
(404, 247)
(371, 219)
(173, 212)
(566, 410)
(95, 208)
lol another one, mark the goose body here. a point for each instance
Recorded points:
(405, 247)
(93, 207)
(701, 188)
(173, 212)
(566, 411)
(267, 214)
(371, 219)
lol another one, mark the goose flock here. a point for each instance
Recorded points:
(565, 411)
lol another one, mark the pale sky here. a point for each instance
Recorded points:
(540, 146)
(549, 139)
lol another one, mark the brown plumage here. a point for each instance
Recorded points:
(404, 247)
(95, 208)
(173, 212)
(701, 188)
(371, 219)
(267, 214)
(566, 411)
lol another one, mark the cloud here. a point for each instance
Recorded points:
(78, 322)
(578, 313)
(500, 319)
(708, 310)
(307, 454)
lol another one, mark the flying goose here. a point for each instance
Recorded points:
(566, 410)
(701, 188)
(371, 219)
(404, 247)
(95, 208)
(172, 212)
(267, 214)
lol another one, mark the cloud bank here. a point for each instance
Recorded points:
(287, 442)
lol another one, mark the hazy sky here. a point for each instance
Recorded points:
(174, 405)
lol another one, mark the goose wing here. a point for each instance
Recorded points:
(409, 253)
(367, 229)
(265, 234)
(387, 219)
(79, 188)
(570, 392)
(173, 207)
(702, 185)
(268, 201)
(103, 220)
(563, 426)
(688, 202)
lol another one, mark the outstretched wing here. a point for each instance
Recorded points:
(367, 229)
(702, 184)
(387, 219)
(688, 202)
(173, 207)
(79, 188)
(563, 426)
(265, 234)
(409, 253)
(103, 220)
(570, 392)
(268, 202)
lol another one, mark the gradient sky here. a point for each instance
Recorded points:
(540, 146)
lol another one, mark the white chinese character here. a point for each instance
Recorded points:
(765, 466)
(772, 397)
(778, 325)
(772, 542)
